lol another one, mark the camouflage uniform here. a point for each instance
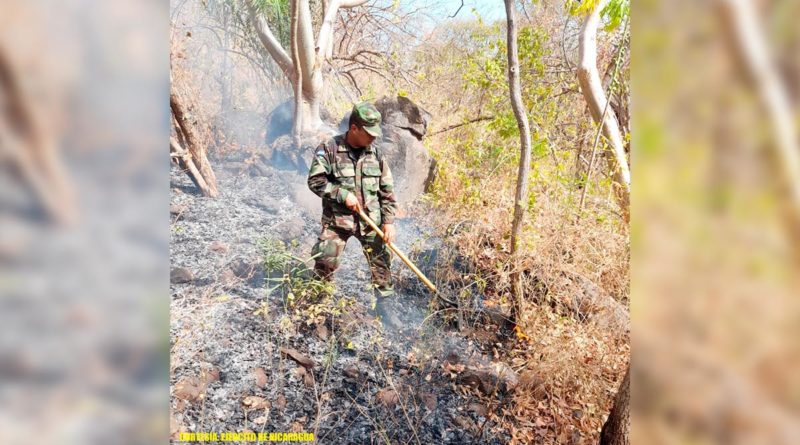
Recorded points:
(336, 171)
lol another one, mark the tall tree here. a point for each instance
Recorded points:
(602, 113)
(521, 194)
(304, 66)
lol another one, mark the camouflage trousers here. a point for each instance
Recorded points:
(330, 246)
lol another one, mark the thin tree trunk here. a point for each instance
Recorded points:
(606, 110)
(297, 128)
(197, 150)
(750, 50)
(521, 195)
(226, 80)
(592, 89)
(616, 430)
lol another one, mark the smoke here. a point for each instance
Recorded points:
(232, 83)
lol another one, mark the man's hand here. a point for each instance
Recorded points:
(389, 233)
(351, 202)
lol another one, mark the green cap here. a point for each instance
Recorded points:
(368, 117)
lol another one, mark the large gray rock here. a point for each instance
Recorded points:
(401, 112)
(404, 124)
(279, 121)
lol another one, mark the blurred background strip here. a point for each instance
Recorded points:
(84, 254)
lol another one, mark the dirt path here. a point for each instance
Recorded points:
(366, 384)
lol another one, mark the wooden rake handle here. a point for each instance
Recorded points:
(398, 252)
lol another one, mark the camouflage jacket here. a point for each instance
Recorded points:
(338, 170)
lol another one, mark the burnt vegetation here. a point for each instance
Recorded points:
(523, 347)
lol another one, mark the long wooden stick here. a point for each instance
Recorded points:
(398, 252)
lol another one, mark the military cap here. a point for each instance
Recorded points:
(368, 117)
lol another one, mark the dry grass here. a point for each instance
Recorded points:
(572, 345)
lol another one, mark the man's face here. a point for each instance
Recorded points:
(360, 137)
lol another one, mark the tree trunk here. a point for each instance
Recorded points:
(521, 195)
(310, 112)
(195, 148)
(297, 82)
(303, 64)
(226, 77)
(750, 50)
(616, 430)
(592, 89)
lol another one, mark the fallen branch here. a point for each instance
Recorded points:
(187, 163)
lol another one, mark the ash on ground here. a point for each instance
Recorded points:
(241, 360)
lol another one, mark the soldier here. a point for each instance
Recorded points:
(349, 174)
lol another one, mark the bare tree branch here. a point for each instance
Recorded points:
(271, 43)
(325, 38)
(457, 10)
(454, 126)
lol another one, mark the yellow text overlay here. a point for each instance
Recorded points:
(245, 437)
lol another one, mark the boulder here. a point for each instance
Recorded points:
(404, 124)
(285, 156)
(279, 121)
(401, 112)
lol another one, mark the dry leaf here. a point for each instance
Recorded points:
(261, 377)
(298, 357)
(189, 388)
(322, 331)
(255, 402)
(388, 397)
(429, 400)
(308, 380)
(210, 376)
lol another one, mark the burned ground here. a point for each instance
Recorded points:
(244, 361)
